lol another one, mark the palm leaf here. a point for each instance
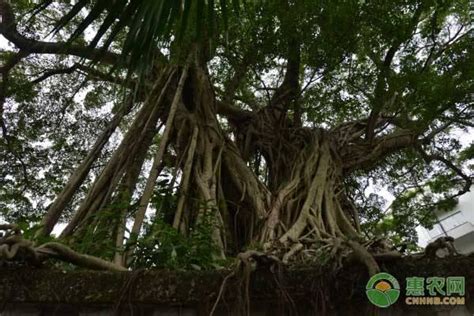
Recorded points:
(93, 15)
(146, 22)
(115, 12)
(70, 15)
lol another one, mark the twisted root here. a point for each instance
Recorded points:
(13, 246)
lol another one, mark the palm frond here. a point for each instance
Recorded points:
(145, 22)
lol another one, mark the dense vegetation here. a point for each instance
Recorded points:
(182, 133)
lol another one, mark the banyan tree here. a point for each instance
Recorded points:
(241, 125)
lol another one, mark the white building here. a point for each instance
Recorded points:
(458, 223)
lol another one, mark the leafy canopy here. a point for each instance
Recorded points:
(414, 57)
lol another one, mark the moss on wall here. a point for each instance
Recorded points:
(299, 288)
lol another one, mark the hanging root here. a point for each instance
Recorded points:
(247, 262)
(14, 247)
(222, 288)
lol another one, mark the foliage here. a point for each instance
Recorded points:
(163, 246)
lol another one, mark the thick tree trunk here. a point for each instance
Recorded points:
(301, 202)
(307, 200)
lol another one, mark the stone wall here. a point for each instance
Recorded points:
(302, 291)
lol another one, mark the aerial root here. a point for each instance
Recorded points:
(293, 250)
(363, 256)
(247, 262)
(334, 250)
(13, 247)
(337, 248)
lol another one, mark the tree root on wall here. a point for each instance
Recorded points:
(250, 260)
(14, 247)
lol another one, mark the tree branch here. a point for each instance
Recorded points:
(53, 72)
(365, 155)
(431, 157)
(233, 113)
(379, 101)
(9, 30)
